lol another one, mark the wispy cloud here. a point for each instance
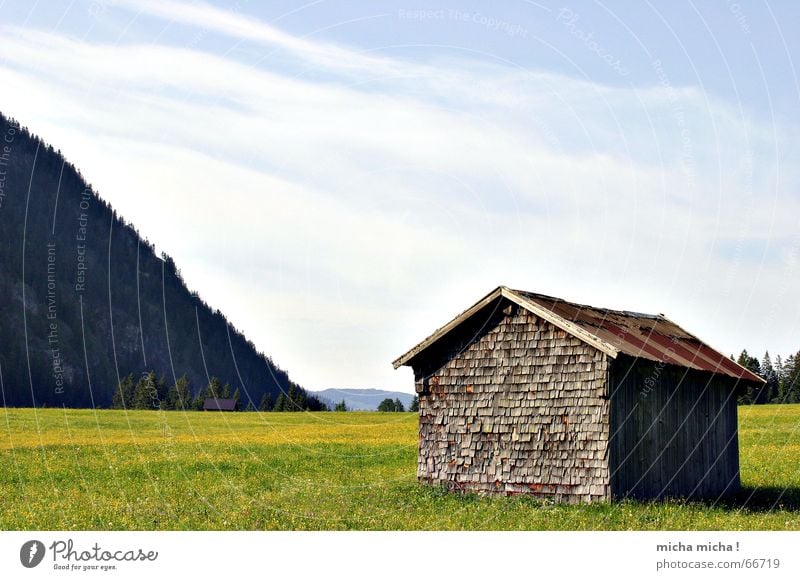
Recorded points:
(353, 211)
(235, 25)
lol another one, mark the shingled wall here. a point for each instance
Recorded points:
(519, 406)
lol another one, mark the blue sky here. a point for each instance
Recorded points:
(341, 178)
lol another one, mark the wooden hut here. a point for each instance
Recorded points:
(526, 393)
(213, 404)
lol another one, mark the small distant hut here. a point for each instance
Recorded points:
(526, 393)
(220, 405)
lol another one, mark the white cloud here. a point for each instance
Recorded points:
(352, 214)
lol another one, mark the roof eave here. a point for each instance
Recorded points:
(745, 373)
(440, 332)
(505, 292)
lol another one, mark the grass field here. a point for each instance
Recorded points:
(143, 470)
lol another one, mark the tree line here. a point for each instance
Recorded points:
(782, 378)
(150, 392)
(386, 406)
(396, 406)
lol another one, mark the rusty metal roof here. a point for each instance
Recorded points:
(649, 336)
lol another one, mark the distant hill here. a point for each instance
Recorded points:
(362, 399)
(86, 300)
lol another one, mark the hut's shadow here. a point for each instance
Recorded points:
(763, 499)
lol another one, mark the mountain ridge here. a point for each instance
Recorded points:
(362, 399)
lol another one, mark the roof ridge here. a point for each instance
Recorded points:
(602, 308)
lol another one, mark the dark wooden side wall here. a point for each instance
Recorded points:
(673, 432)
(515, 406)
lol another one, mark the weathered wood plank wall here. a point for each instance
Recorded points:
(673, 431)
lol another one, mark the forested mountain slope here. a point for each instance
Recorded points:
(84, 300)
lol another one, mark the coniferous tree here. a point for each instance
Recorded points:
(770, 389)
(750, 363)
(123, 396)
(181, 394)
(214, 389)
(280, 403)
(171, 402)
(300, 401)
(145, 394)
(414, 404)
(340, 406)
(200, 399)
(784, 372)
(236, 396)
(161, 389)
(779, 379)
(791, 372)
(398, 406)
(290, 404)
(226, 391)
(266, 403)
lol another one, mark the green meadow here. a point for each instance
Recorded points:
(151, 470)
